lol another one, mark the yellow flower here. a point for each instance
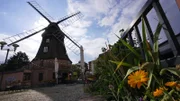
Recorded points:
(137, 78)
(178, 87)
(158, 92)
(171, 84)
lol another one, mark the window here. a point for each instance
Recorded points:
(27, 76)
(45, 49)
(47, 40)
(40, 76)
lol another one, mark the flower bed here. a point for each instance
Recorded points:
(123, 74)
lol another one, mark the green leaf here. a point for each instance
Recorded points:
(171, 70)
(148, 94)
(131, 48)
(146, 46)
(120, 86)
(147, 65)
(156, 44)
(131, 70)
(156, 80)
(120, 63)
(144, 40)
(168, 95)
(150, 79)
(123, 63)
(156, 37)
(151, 55)
(143, 30)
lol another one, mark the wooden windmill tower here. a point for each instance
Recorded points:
(52, 47)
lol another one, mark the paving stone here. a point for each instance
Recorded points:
(69, 92)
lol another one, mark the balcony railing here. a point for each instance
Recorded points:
(169, 49)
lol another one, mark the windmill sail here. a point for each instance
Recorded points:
(21, 36)
(40, 10)
(67, 20)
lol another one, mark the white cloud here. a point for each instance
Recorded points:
(78, 32)
(105, 12)
(31, 45)
(129, 10)
(116, 16)
(91, 8)
(110, 18)
(93, 46)
(41, 22)
(78, 29)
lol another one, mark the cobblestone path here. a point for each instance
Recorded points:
(70, 92)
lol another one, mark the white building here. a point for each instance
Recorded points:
(91, 66)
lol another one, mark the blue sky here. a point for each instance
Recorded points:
(102, 18)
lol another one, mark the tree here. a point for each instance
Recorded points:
(15, 62)
(85, 65)
(76, 68)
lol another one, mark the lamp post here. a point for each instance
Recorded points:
(2, 43)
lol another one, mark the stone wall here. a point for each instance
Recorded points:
(47, 68)
(10, 78)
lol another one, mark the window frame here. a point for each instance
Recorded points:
(45, 49)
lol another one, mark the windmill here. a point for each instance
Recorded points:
(52, 46)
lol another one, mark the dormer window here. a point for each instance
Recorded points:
(47, 40)
(45, 50)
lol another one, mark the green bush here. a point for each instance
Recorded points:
(123, 74)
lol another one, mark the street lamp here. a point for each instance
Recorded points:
(2, 43)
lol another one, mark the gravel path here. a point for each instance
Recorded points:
(71, 92)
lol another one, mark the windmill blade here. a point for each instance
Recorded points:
(71, 20)
(69, 42)
(40, 10)
(67, 17)
(71, 46)
(71, 39)
(19, 37)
